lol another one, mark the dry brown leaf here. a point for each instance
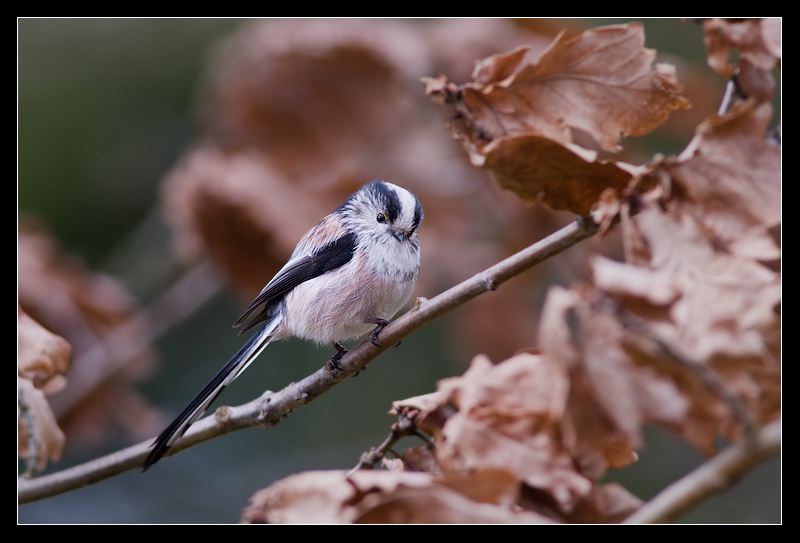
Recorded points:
(771, 34)
(42, 359)
(438, 505)
(372, 496)
(602, 422)
(424, 403)
(725, 301)
(757, 40)
(313, 94)
(420, 458)
(515, 425)
(602, 83)
(755, 84)
(233, 208)
(507, 419)
(498, 486)
(309, 497)
(606, 504)
(714, 308)
(568, 177)
(653, 285)
(730, 179)
(746, 49)
(521, 117)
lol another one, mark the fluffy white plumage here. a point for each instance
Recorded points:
(348, 275)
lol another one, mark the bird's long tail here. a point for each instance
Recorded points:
(230, 371)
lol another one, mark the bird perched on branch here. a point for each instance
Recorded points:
(353, 271)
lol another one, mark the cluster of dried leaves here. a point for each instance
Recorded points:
(685, 333)
(91, 315)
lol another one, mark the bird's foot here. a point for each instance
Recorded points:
(381, 324)
(341, 350)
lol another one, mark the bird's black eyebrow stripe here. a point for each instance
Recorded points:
(418, 214)
(388, 197)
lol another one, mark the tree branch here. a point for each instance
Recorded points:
(716, 475)
(270, 408)
(404, 427)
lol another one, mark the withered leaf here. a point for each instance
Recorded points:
(518, 118)
(232, 207)
(602, 82)
(730, 179)
(602, 420)
(372, 496)
(313, 94)
(725, 301)
(757, 40)
(508, 416)
(420, 458)
(567, 176)
(438, 504)
(771, 33)
(42, 358)
(716, 308)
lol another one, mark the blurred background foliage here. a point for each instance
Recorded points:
(108, 107)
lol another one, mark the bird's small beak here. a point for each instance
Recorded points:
(400, 235)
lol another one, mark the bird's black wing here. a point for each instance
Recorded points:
(333, 255)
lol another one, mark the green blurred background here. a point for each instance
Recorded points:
(105, 108)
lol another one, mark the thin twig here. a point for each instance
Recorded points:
(270, 408)
(404, 427)
(716, 475)
(727, 98)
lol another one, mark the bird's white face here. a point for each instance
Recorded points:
(384, 212)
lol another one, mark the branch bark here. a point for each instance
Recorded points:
(716, 475)
(267, 410)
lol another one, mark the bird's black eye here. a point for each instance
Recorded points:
(381, 217)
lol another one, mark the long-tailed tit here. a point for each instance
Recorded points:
(351, 272)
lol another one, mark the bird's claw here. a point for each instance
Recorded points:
(381, 324)
(341, 350)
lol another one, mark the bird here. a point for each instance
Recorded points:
(351, 272)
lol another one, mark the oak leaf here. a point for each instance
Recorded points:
(371, 497)
(521, 118)
(508, 418)
(42, 359)
(757, 40)
(602, 82)
(729, 178)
